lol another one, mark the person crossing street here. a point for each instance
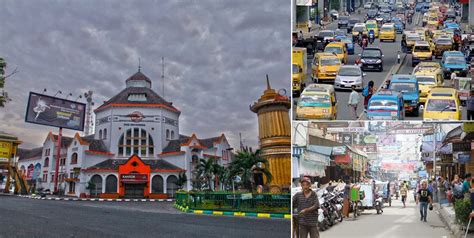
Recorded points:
(306, 203)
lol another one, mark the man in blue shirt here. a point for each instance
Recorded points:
(466, 185)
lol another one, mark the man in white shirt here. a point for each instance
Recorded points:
(354, 100)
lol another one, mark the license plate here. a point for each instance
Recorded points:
(456, 72)
(370, 66)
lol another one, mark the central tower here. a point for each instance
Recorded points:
(275, 136)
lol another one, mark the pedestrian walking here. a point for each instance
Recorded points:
(354, 100)
(367, 92)
(306, 203)
(404, 193)
(424, 198)
(457, 188)
(404, 43)
(443, 186)
(434, 190)
(300, 35)
(309, 26)
(346, 195)
(470, 105)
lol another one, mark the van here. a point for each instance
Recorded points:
(386, 105)
(317, 101)
(299, 69)
(421, 52)
(428, 75)
(339, 49)
(388, 32)
(407, 85)
(442, 104)
(325, 67)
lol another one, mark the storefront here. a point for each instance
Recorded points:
(314, 160)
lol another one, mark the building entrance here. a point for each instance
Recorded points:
(134, 190)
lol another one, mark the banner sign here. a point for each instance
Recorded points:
(409, 131)
(345, 129)
(57, 112)
(370, 148)
(5, 151)
(398, 166)
(307, 3)
(346, 138)
(338, 150)
(29, 172)
(134, 178)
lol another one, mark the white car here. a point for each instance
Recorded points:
(348, 76)
(334, 14)
(368, 5)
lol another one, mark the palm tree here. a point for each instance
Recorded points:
(205, 169)
(246, 164)
(182, 179)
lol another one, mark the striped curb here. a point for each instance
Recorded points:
(95, 199)
(238, 214)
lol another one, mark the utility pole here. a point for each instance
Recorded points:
(435, 130)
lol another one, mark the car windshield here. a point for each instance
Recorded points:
(443, 41)
(387, 28)
(422, 48)
(359, 28)
(345, 40)
(349, 71)
(372, 53)
(433, 19)
(340, 33)
(383, 105)
(426, 80)
(438, 105)
(371, 25)
(353, 21)
(326, 34)
(403, 87)
(343, 18)
(333, 49)
(413, 38)
(330, 61)
(314, 101)
(455, 60)
(372, 12)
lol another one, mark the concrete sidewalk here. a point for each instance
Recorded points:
(448, 216)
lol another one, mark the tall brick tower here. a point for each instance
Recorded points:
(275, 136)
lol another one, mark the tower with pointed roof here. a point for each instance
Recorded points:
(274, 135)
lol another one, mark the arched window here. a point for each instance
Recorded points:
(171, 186)
(74, 158)
(157, 184)
(136, 141)
(172, 135)
(105, 134)
(100, 134)
(97, 181)
(111, 184)
(167, 134)
(46, 162)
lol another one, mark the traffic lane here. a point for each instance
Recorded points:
(408, 69)
(42, 218)
(395, 221)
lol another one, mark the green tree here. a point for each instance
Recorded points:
(182, 179)
(335, 4)
(3, 94)
(246, 164)
(205, 170)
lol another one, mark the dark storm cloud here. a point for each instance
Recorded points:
(216, 55)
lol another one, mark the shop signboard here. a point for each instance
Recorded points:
(468, 127)
(346, 129)
(346, 138)
(134, 178)
(307, 3)
(463, 158)
(338, 150)
(370, 139)
(51, 111)
(5, 151)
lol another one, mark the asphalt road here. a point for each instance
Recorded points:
(390, 51)
(395, 221)
(21, 217)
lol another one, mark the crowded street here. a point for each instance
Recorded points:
(394, 61)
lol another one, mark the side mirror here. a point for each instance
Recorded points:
(382, 55)
(364, 74)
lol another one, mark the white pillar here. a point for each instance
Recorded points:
(164, 184)
(293, 16)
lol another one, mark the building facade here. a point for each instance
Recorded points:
(137, 150)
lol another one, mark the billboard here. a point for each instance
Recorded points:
(5, 151)
(51, 111)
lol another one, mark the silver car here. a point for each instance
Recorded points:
(349, 75)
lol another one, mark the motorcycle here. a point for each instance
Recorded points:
(378, 204)
(371, 38)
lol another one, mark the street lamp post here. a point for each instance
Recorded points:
(434, 149)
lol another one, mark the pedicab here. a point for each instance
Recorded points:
(355, 204)
(371, 200)
(381, 189)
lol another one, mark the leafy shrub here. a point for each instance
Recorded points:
(462, 209)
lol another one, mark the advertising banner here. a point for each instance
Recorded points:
(57, 112)
(5, 151)
(338, 150)
(398, 166)
(346, 129)
(346, 138)
(29, 172)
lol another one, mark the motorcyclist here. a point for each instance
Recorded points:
(371, 36)
(365, 41)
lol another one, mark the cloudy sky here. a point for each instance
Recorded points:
(216, 56)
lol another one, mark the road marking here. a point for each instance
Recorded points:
(144, 200)
(127, 200)
(160, 200)
(110, 200)
(152, 200)
(267, 215)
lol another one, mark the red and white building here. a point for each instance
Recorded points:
(137, 150)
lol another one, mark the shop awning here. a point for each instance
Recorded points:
(324, 150)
